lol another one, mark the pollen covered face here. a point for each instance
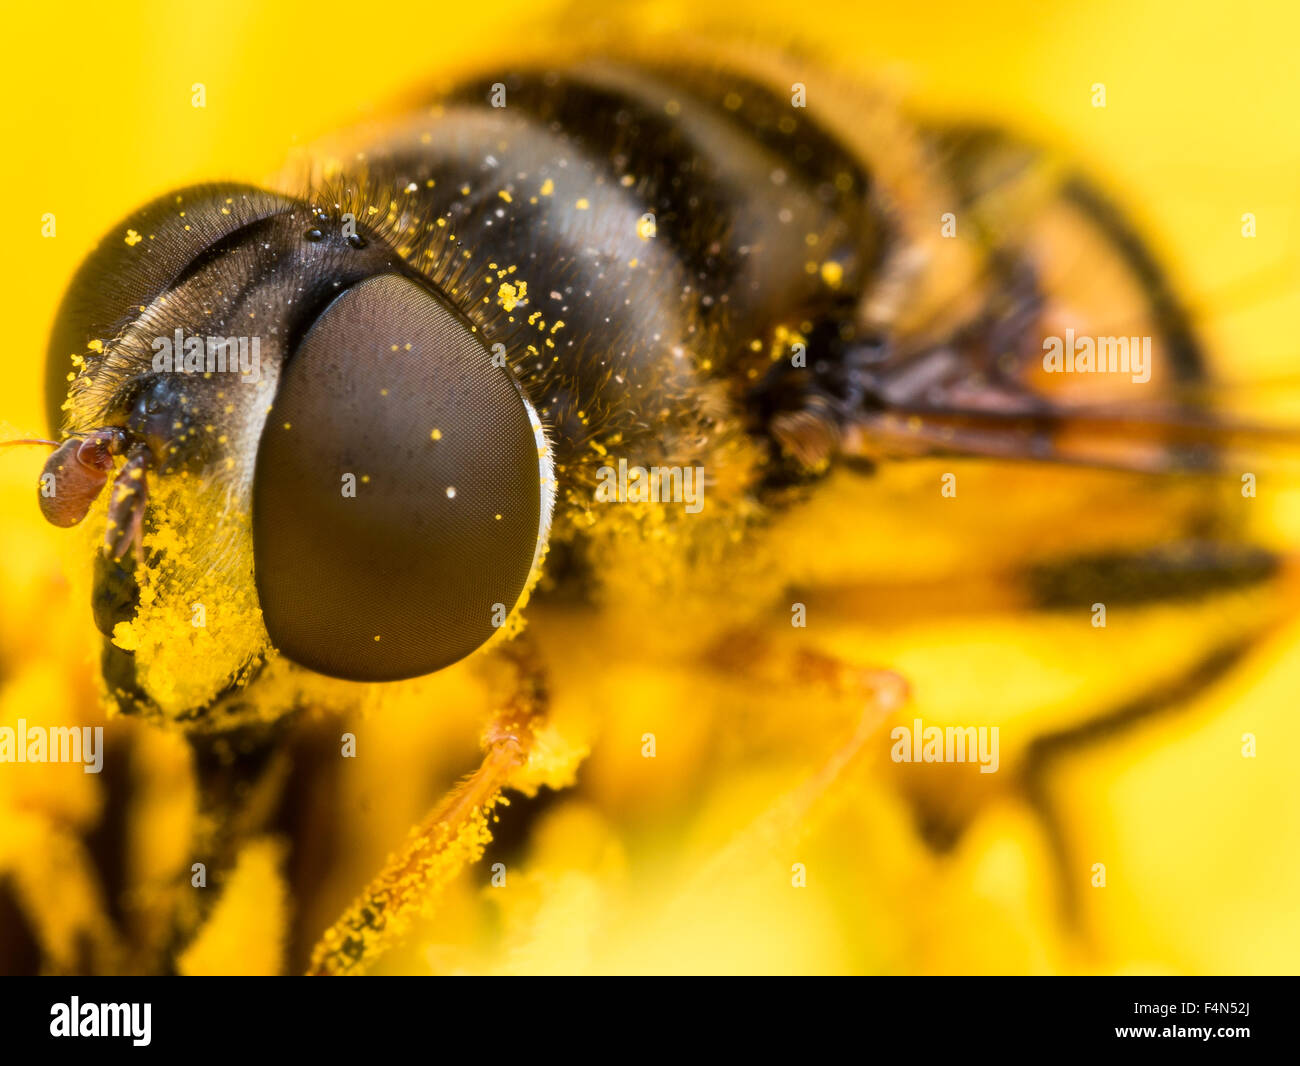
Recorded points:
(355, 485)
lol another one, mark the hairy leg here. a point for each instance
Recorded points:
(450, 837)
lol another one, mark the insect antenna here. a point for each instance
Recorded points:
(29, 440)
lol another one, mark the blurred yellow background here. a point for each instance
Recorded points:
(1200, 127)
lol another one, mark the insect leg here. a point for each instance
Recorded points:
(450, 837)
(755, 656)
(126, 508)
(1170, 696)
(769, 661)
(1045, 752)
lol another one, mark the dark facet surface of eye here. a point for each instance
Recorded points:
(172, 235)
(404, 576)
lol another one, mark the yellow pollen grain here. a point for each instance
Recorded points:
(511, 295)
(583, 204)
(436, 435)
(548, 187)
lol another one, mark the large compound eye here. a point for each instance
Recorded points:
(409, 564)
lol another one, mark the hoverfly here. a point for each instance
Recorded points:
(354, 431)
